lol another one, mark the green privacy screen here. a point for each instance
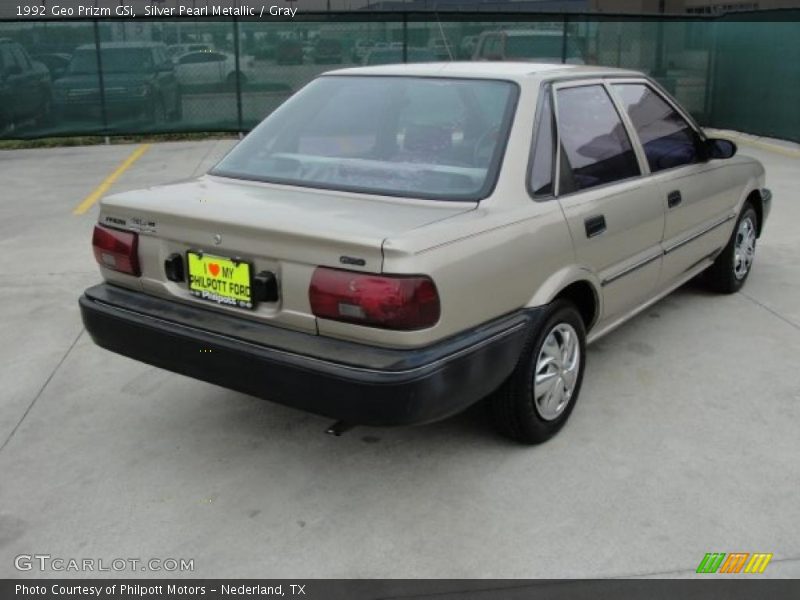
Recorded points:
(113, 77)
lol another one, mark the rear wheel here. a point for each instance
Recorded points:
(158, 113)
(177, 113)
(731, 268)
(230, 81)
(536, 400)
(45, 115)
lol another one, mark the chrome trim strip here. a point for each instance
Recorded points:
(596, 334)
(631, 268)
(693, 237)
(666, 251)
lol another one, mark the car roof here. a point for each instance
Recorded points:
(515, 70)
(527, 32)
(207, 51)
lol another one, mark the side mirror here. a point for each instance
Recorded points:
(719, 148)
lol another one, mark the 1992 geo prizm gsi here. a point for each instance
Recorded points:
(396, 243)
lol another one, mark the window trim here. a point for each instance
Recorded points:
(664, 95)
(594, 81)
(545, 90)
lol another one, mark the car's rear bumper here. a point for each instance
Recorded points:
(353, 382)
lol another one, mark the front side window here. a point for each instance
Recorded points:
(668, 139)
(433, 138)
(595, 148)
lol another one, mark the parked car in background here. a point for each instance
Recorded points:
(266, 49)
(139, 81)
(443, 48)
(289, 52)
(523, 44)
(467, 46)
(308, 51)
(386, 56)
(176, 50)
(213, 68)
(25, 87)
(56, 62)
(396, 243)
(327, 51)
(360, 50)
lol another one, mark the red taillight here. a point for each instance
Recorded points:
(389, 302)
(117, 250)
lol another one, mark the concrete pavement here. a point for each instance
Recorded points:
(685, 440)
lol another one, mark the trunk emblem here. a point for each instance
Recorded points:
(217, 239)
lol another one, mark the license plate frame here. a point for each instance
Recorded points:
(205, 289)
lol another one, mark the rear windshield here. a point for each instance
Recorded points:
(434, 138)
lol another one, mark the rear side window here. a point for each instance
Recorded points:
(668, 139)
(541, 181)
(21, 58)
(595, 148)
(6, 60)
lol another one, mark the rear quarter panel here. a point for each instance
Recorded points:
(484, 265)
(508, 253)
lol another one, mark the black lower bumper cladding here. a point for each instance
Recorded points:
(352, 382)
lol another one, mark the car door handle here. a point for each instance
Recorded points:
(674, 198)
(595, 225)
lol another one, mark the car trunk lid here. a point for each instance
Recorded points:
(287, 231)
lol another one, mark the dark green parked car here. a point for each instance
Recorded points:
(25, 89)
(138, 80)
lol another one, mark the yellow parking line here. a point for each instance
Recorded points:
(101, 189)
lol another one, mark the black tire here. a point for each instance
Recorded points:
(157, 114)
(513, 406)
(177, 114)
(725, 275)
(44, 117)
(230, 81)
(6, 122)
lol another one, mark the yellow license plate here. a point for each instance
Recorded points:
(220, 280)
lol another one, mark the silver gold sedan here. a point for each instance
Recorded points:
(396, 243)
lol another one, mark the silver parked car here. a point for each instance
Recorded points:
(395, 243)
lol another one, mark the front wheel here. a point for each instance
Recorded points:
(731, 268)
(536, 400)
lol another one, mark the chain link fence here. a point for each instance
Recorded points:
(113, 77)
